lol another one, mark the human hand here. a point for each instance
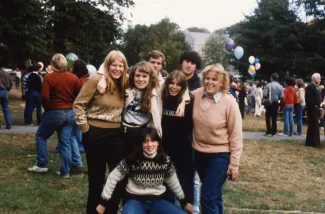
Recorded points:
(100, 209)
(232, 174)
(180, 109)
(189, 208)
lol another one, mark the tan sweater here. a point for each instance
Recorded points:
(97, 107)
(217, 126)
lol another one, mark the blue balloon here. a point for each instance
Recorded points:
(238, 52)
(256, 61)
(253, 76)
(71, 57)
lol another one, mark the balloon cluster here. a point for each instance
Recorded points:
(255, 65)
(71, 57)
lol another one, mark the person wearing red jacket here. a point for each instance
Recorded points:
(288, 101)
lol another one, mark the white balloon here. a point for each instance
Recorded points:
(91, 70)
(251, 59)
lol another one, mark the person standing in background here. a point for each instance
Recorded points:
(17, 77)
(258, 100)
(5, 86)
(313, 105)
(300, 104)
(252, 97)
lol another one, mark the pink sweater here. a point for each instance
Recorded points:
(217, 126)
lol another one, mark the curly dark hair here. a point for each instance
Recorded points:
(191, 56)
(145, 67)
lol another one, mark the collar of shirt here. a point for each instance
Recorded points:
(216, 97)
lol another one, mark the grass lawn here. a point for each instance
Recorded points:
(277, 175)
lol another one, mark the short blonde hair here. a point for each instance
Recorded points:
(59, 63)
(220, 73)
(122, 83)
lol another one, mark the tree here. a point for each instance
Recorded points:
(164, 36)
(198, 30)
(214, 50)
(22, 33)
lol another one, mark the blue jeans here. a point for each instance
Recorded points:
(62, 122)
(299, 111)
(212, 169)
(251, 106)
(34, 100)
(288, 119)
(79, 140)
(196, 193)
(75, 153)
(4, 106)
(151, 207)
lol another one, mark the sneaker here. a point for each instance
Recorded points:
(282, 134)
(8, 127)
(37, 169)
(63, 176)
(77, 169)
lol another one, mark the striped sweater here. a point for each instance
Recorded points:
(146, 180)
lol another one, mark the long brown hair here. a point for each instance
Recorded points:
(178, 75)
(145, 67)
(122, 83)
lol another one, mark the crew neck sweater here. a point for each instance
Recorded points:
(217, 126)
(170, 121)
(289, 96)
(59, 90)
(146, 179)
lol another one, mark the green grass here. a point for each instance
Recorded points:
(278, 175)
(274, 175)
(23, 192)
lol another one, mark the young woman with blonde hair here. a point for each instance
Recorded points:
(217, 136)
(98, 109)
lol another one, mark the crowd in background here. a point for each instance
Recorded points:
(166, 139)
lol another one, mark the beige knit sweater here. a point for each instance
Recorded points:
(97, 107)
(217, 126)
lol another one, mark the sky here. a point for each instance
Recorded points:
(210, 14)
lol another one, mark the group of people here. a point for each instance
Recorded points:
(153, 133)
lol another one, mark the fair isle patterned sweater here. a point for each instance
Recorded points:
(146, 180)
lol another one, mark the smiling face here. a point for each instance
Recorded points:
(150, 147)
(174, 87)
(211, 83)
(141, 80)
(116, 69)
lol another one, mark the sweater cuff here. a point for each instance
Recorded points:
(103, 202)
(84, 128)
(182, 202)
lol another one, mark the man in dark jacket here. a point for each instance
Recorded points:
(313, 104)
(5, 86)
(190, 62)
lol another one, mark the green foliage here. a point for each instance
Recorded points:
(274, 34)
(214, 50)
(198, 30)
(37, 29)
(164, 36)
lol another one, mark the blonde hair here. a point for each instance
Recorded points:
(220, 74)
(122, 83)
(59, 63)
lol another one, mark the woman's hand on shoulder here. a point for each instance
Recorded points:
(189, 208)
(232, 174)
(100, 209)
(181, 109)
